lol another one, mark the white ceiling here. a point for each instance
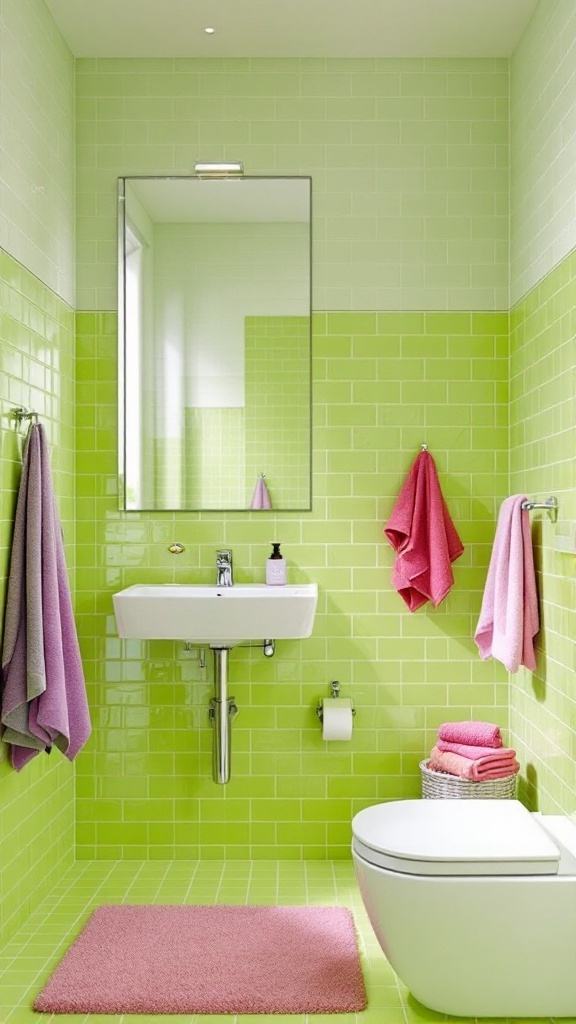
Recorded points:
(292, 28)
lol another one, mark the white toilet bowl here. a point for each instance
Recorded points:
(473, 903)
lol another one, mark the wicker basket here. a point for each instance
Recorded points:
(441, 786)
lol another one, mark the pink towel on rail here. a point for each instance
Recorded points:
(44, 695)
(476, 771)
(509, 619)
(260, 496)
(474, 753)
(423, 536)
(481, 734)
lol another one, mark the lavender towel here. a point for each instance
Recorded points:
(44, 695)
(260, 496)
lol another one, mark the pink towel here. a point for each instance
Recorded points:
(424, 537)
(474, 753)
(481, 734)
(509, 619)
(260, 496)
(476, 771)
(44, 695)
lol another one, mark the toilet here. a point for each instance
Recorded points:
(473, 903)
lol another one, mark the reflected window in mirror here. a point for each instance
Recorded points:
(215, 354)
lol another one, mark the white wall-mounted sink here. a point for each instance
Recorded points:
(216, 616)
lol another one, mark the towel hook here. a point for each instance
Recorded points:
(22, 413)
(424, 447)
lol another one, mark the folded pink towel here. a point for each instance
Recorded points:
(476, 771)
(474, 753)
(509, 619)
(480, 734)
(424, 537)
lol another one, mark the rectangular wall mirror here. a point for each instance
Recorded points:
(214, 342)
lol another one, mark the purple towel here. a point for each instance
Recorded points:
(260, 496)
(44, 693)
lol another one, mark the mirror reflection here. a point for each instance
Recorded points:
(215, 387)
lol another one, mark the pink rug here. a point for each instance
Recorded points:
(216, 959)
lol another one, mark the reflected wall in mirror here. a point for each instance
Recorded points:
(215, 325)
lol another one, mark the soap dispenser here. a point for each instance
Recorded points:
(276, 567)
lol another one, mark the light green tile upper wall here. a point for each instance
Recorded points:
(409, 161)
(543, 145)
(37, 131)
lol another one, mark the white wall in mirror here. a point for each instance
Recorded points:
(216, 382)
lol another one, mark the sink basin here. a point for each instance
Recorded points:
(216, 616)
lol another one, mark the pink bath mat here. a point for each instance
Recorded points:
(172, 959)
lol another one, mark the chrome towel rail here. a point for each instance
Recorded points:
(550, 506)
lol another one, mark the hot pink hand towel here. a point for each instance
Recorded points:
(482, 734)
(260, 496)
(475, 771)
(509, 619)
(474, 753)
(424, 537)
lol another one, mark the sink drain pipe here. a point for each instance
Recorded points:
(222, 711)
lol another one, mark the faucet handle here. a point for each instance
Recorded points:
(224, 556)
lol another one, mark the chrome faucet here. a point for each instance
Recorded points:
(224, 575)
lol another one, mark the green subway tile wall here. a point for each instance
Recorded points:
(36, 370)
(278, 410)
(383, 384)
(543, 414)
(409, 166)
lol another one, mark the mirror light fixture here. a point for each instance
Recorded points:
(219, 170)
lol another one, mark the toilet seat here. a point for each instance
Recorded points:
(454, 837)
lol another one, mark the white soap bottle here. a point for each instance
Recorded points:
(276, 567)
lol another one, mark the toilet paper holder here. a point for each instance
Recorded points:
(334, 693)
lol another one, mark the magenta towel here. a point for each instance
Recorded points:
(476, 771)
(423, 536)
(509, 618)
(44, 694)
(474, 753)
(481, 734)
(260, 496)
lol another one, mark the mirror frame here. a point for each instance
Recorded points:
(121, 221)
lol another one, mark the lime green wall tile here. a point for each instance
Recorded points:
(541, 717)
(290, 791)
(37, 332)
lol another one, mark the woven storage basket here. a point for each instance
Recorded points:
(441, 786)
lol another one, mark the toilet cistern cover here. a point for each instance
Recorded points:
(454, 837)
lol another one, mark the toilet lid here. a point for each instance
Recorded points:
(454, 837)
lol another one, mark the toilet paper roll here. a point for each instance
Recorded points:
(337, 719)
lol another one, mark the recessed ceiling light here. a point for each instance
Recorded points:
(209, 31)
